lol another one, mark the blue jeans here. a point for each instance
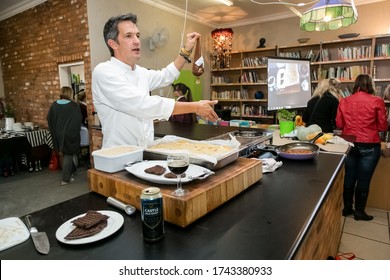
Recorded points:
(360, 166)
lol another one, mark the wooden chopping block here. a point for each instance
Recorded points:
(205, 195)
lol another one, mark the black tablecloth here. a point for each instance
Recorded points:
(11, 149)
(267, 221)
(25, 149)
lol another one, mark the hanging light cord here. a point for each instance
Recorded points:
(184, 25)
(181, 39)
(284, 3)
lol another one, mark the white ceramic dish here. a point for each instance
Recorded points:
(193, 172)
(113, 160)
(114, 223)
(12, 232)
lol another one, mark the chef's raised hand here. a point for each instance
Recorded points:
(191, 41)
(206, 111)
(186, 50)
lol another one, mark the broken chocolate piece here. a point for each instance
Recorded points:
(156, 170)
(171, 175)
(90, 219)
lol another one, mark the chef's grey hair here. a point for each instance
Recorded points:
(111, 31)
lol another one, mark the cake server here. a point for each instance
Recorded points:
(40, 239)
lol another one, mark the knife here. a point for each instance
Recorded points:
(40, 239)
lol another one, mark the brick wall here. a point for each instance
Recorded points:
(33, 44)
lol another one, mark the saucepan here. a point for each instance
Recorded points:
(296, 151)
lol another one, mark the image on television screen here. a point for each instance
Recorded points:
(289, 84)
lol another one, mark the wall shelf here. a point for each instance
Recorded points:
(343, 59)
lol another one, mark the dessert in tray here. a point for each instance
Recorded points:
(211, 154)
(193, 147)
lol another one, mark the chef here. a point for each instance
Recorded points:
(121, 88)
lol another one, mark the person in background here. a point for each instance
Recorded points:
(322, 107)
(362, 115)
(386, 93)
(386, 96)
(182, 94)
(120, 87)
(64, 119)
(83, 106)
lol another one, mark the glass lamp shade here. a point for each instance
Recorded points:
(222, 47)
(329, 15)
(222, 39)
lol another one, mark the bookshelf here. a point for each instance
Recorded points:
(344, 59)
(236, 87)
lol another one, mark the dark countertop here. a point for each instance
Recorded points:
(267, 221)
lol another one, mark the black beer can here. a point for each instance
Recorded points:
(152, 214)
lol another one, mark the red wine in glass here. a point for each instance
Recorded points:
(178, 164)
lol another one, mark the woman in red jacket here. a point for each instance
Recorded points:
(362, 115)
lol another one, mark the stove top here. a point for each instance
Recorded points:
(248, 133)
(249, 139)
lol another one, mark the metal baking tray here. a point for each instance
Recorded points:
(216, 163)
(221, 162)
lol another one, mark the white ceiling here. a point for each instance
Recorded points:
(243, 12)
(9, 8)
(209, 12)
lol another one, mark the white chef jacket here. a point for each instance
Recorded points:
(122, 101)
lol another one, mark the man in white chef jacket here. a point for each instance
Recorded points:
(121, 88)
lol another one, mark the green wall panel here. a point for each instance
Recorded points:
(186, 77)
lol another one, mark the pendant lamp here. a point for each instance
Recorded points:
(222, 47)
(329, 15)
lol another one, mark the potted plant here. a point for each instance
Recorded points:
(9, 115)
(285, 115)
(286, 120)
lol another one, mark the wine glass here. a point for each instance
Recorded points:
(178, 164)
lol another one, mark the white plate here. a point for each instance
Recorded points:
(114, 222)
(12, 232)
(192, 172)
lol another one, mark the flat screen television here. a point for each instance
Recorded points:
(289, 84)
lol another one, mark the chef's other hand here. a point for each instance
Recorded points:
(206, 111)
(191, 40)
